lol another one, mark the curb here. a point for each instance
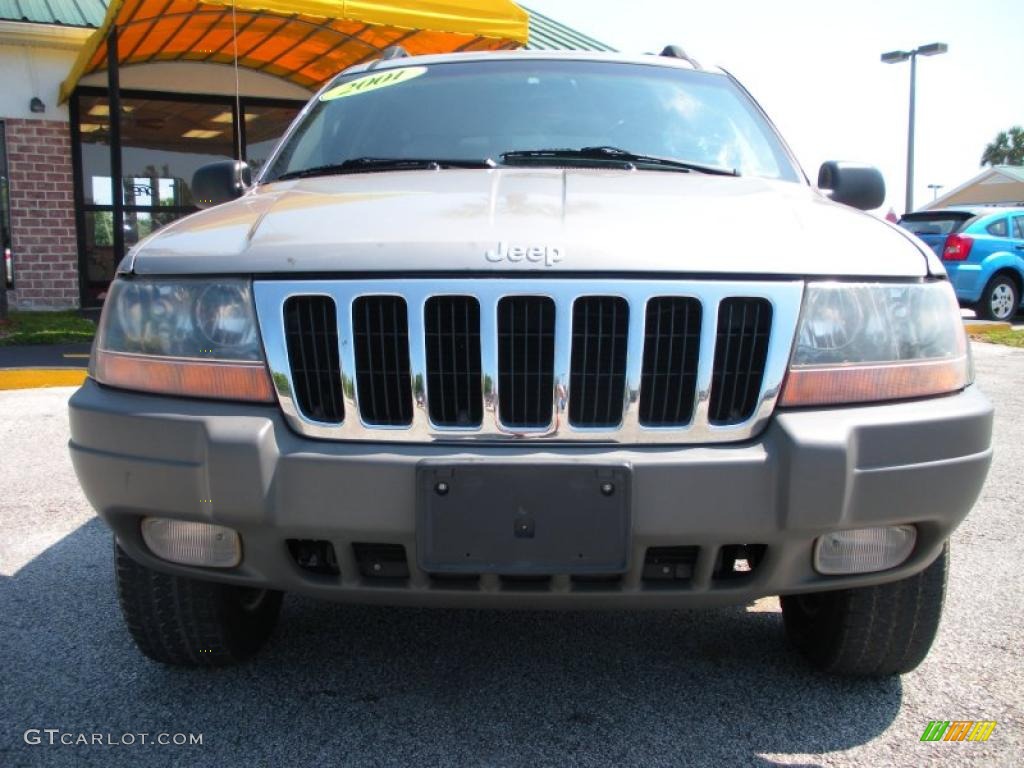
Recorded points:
(985, 326)
(33, 378)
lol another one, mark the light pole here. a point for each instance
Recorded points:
(895, 57)
(935, 190)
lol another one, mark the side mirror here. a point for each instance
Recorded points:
(853, 184)
(220, 182)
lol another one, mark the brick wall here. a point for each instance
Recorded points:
(42, 214)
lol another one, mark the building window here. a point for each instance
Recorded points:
(165, 138)
(6, 267)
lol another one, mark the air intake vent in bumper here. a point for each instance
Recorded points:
(311, 334)
(452, 331)
(526, 347)
(741, 350)
(381, 561)
(383, 385)
(670, 563)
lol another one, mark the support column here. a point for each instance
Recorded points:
(114, 102)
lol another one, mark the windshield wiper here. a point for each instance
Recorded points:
(603, 155)
(613, 155)
(370, 164)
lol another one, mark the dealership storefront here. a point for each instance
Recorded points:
(164, 139)
(179, 109)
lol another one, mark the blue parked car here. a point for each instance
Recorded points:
(983, 250)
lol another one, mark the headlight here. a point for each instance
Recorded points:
(182, 337)
(861, 342)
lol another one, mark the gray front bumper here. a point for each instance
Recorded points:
(810, 472)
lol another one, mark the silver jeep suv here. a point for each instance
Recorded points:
(533, 330)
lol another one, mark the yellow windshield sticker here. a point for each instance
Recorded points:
(372, 82)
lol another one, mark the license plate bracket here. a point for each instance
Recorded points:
(523, 519)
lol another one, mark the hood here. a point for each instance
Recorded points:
(531, 220)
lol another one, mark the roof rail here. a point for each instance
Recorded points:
(391, 52)
(676, 52)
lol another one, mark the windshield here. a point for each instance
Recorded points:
(476, 112)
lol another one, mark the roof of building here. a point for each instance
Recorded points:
(545, 32)
(1016, 171)
(68, 13)
(994, 185)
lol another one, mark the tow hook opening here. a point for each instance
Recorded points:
(315, 556)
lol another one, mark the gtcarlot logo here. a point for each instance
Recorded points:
(57, 737)
(958, 730)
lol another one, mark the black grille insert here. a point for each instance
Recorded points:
(671, 354)
(600, 330)
(526, 349)
(314, 555)
(452, 327)
(741, 350)
(311, 333)
(538, 583)
(380, 326)
(381, 561)
(670, 563)
(738, 561)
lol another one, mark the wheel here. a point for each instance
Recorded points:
(999, 300)
(189, 622)
(869, 631)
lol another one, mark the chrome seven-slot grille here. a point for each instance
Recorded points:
(600, 360)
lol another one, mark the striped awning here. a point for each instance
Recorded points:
(303, 41)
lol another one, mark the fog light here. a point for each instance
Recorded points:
(864, 550)
(188, 543)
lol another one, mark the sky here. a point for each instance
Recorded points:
(814, 66)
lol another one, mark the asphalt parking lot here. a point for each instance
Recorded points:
(359, 686)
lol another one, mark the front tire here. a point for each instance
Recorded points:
(869, 631)
(189, 622)
(1000, 299)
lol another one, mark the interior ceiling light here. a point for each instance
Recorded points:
(200, 133)
(103, 110)
(227, 117)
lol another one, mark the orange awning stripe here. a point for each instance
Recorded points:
(302, 41)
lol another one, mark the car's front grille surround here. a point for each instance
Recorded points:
(465, 319)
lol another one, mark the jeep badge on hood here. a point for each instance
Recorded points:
(548, 254)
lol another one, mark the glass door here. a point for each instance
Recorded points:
(165, 138)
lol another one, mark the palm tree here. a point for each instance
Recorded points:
(1006, 149)
(1017, 144)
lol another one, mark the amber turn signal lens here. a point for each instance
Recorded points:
(834, 385)
(179, 376)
